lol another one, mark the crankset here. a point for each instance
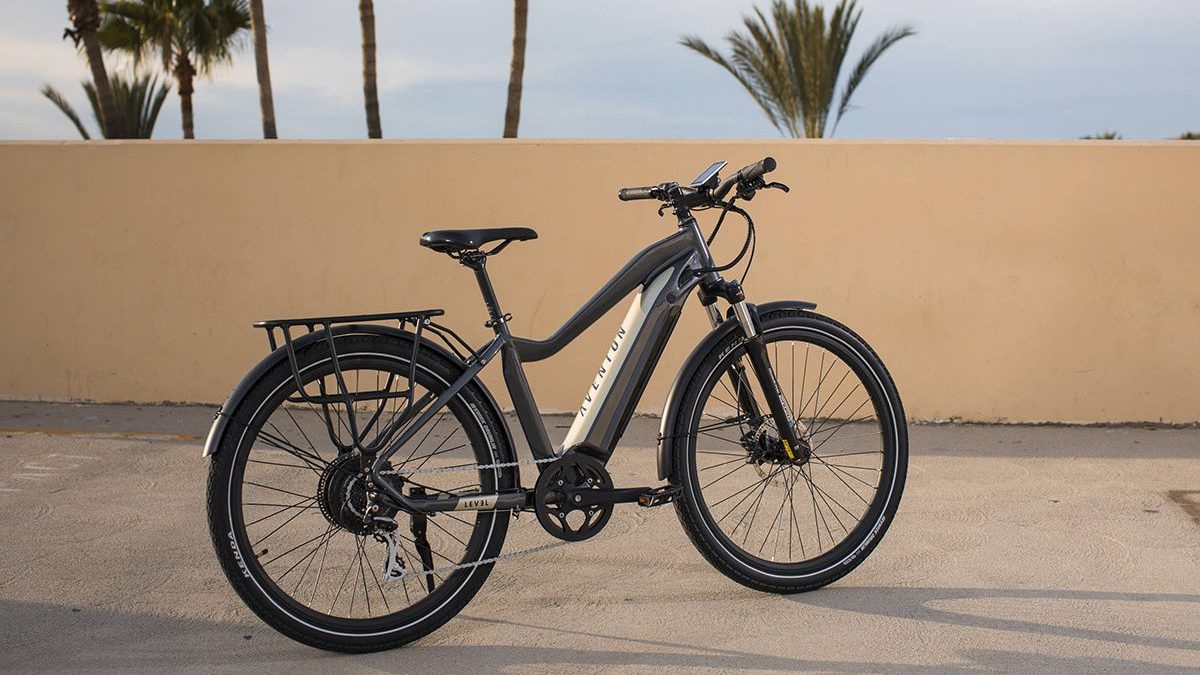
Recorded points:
(574, 497)
(559, 497)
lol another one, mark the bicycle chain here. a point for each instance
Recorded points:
(412, 574)
(468, 467)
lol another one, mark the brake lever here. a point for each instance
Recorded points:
(662, 208)
(746, 189)
(777, 186)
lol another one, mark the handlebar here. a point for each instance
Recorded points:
(748, 176)
(631, 193)
(747, 180)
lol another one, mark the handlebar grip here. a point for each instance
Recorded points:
(756, 170)
(631, 193)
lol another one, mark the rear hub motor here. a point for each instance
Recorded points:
(560, 498)
(342, 495)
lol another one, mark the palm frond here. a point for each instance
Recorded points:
(789, 59)
(67, 109)
(138, 102)
(207, 32)
(215, 30)
(745, 74)
(868, 59)
(141, 29)
(153, 96)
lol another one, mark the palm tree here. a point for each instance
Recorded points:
(516, 74)
(85, 17)
(366, 16)
(791, 62)
(1189, 136)
(137, 104)
(265, 101)
(1102, 136)
(192, 37)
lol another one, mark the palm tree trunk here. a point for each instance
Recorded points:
(366, 16)
(265, 101)
(184, 74)
(85, 16)
(516, 75)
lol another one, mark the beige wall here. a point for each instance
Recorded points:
(999, 281)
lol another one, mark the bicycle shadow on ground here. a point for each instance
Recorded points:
(54, 637)
(915, 604)
(43, 637)
(637, 655)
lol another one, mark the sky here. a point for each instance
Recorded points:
(1003, 69)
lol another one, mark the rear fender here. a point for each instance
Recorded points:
(692, 364)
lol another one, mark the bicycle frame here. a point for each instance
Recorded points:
(664, 270)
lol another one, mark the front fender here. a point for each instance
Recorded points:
(692, 364)
(231, 404)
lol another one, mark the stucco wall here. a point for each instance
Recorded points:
(999, 281)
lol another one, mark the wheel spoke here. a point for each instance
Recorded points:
(308, 556)
(729, 461)
(279, 527)
(298, 505)
(723, 477)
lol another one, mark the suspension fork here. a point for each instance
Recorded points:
(756, 352)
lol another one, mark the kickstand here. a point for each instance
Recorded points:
(419, 525)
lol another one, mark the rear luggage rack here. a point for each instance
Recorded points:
(421, 322)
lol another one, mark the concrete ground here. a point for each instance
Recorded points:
(1015, 549)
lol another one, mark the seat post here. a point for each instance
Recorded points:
(497, 319)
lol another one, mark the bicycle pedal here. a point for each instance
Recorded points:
(659, 496)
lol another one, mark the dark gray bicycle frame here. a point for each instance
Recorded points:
(679, 255)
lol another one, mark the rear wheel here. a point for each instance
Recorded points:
(767, 521)
(286, 499)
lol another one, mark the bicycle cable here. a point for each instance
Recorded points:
(748, 246)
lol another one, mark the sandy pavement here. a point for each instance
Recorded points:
(1015, 549)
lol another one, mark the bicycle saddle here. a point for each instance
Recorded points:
(454, 241)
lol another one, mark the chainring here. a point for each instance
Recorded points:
(552, 497)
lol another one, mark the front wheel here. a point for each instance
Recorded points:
(783, 524)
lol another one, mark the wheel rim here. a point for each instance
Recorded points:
(789, 517)
(321, 572)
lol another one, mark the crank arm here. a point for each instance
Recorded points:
(645, 496)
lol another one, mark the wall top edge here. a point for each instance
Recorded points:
(606, 141)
